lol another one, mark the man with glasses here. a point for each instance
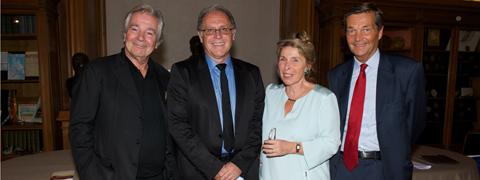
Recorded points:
(215, 105)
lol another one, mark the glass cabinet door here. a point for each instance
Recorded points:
(435, 61)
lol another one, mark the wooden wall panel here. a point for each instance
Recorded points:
(296, 16)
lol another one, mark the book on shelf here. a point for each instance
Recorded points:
(28, 108)
(4, 61)
(16, 66)
(4, 65)
(31, 64)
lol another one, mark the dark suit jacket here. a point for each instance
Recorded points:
(105, 121)
(194, 120)
(400, 109)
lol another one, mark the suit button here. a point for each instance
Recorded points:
(134, 164)
(220, 135)
(138, 141)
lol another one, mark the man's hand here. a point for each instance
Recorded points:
(229, 171)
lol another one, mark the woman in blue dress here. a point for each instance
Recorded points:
(301, 119)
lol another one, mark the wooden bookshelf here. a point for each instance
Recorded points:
(34, 32)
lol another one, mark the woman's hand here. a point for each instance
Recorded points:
(274, 148)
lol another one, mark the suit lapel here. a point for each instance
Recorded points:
(206, 87)
(385, 84)
(240, 94)
(124, 77)
(344, 84)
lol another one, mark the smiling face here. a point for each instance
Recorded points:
(363, 35)
(141, 35)
(217, 45)
(291, 66)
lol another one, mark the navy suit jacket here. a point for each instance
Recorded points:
(400, 110)
(194, 119)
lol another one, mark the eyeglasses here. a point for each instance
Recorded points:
(223, 31)
(273, 134)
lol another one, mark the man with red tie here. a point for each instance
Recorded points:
(381, 99)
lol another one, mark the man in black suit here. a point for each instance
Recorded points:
(381, 99)
(215, 105)
(118, 127)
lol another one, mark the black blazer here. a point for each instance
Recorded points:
(400, 109)
(105, 121)
(194, 120)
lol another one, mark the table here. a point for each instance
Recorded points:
(38, 166)
(466, 169)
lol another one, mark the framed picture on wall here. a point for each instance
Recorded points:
(398, 39)
(433, 38)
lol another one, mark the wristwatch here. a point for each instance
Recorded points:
(297, 147)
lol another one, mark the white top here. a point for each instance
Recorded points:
(314, 121)
(368, 140)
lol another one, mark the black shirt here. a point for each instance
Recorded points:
(153, 140)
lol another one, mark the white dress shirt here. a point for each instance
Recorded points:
(368, 140)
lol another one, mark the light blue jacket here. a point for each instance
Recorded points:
(314, 121)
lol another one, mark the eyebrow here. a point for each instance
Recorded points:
(136, 25)
(151, 29)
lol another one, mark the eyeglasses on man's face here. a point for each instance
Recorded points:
(223, 31)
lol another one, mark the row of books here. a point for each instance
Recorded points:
(18, 24)
(22, 141)
(19, 65)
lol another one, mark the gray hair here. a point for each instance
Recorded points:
(145, 8)
(213, 8)
(364, 8)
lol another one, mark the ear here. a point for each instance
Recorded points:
(380, 33)
(200, 36)
(234, 32)
(124, 37)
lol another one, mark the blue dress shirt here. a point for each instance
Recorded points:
(215, 75)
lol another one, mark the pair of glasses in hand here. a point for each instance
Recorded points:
(273, 134)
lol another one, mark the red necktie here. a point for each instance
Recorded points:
(350, 150)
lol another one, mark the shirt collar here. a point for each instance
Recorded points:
(372, 62)
(212, 64)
